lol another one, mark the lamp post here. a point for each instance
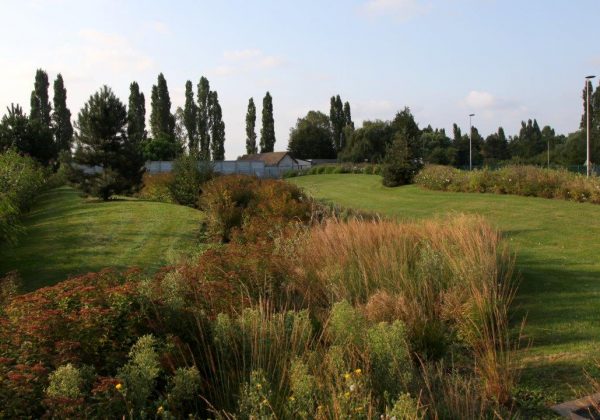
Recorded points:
(587, 131)
(471, 142)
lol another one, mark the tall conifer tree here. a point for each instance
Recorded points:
(61, 117)
(40, 103)
(267, 131)
(217, 127)
(251, 128)
(190, 119)
(203, 118)
(162, 122)
(136, 115)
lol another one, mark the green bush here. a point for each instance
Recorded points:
(399, 165)
(188, 177)
(21, 180)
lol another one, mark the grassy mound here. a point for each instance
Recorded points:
(67, 235)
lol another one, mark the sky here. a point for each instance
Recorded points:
(504, 60)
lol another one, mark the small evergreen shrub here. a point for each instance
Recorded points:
(188, 177)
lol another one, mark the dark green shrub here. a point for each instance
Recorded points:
(188, 177)
(400, 166)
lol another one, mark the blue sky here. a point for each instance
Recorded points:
(503, 60)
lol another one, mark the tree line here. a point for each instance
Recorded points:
(198, 127)
(317, 135)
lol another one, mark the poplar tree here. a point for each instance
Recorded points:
(217, 127)
(40, 104)
(190, 119)
(250, 128)
(267, 131)
(348, 116)
(203, 118)
(338, 121)
(136, 114)
(162, 122)
(61, 117)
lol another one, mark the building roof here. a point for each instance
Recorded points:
(270, 159)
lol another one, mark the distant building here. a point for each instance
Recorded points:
(277, 163)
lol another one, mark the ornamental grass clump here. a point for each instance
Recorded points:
(450, 282)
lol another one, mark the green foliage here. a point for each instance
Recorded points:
(267, 131)
(40, 99)
(188, 177)
(400, 165)
(251, 147)
(190, 120)
(162, 122)
(255, 398)
(368, 143)
(184, 385)
(346, 325)
(312, 137)
(61, 117)
(161, 148)
(136, 115)
(21, 180)
(27, 136)
(517, 180)
(140, 373)
(303, 387)
(204, 118)
(65, 382)
(102, 141)
(217, 127)
(390, 358)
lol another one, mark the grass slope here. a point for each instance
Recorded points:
(558, 255)
(68, 235)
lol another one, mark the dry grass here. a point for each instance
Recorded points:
(443, 278)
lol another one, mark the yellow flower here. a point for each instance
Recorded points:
(292, 399)
(160, 409)
(347, 395)
(346, 376)
(358, 371)
(118, 386)
(259, 386)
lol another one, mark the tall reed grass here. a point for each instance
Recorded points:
(449, 280)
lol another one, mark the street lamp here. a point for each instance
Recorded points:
(471, 142)
(587, 131)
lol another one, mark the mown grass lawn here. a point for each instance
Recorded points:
(558, 255)
(68, 235)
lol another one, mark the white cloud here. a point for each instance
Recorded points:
(246, 61)
(100, 49)
(478, 100)
(240, 55)
(481, 100)
(492, 108)
(401, 10)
